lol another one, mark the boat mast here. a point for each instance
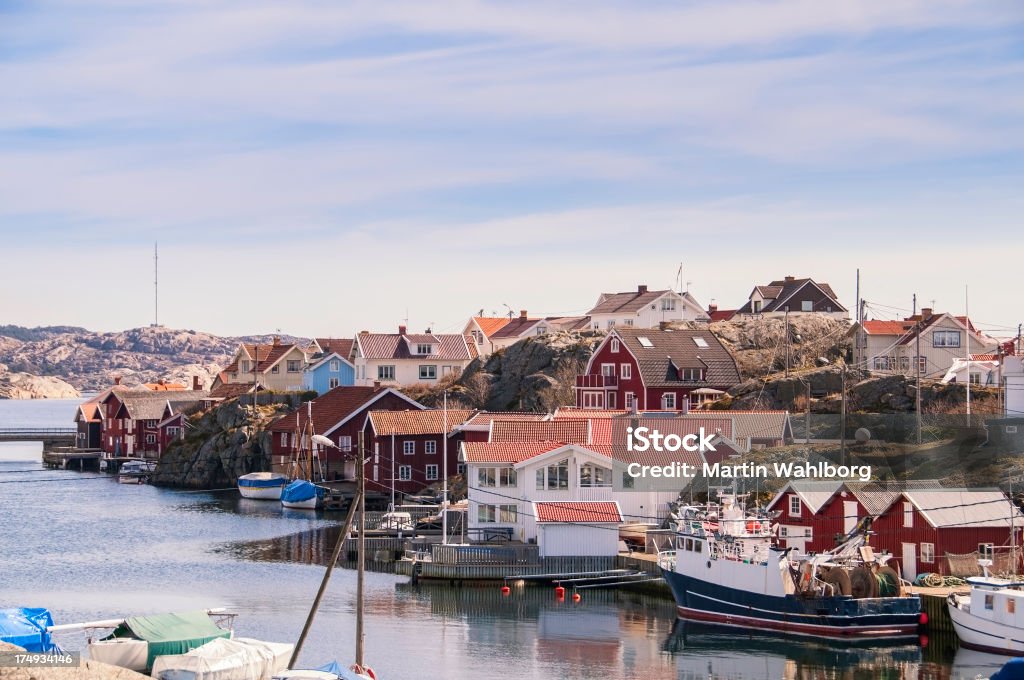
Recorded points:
(361, 547)
(444, 465)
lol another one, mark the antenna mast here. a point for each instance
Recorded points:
(156, 285)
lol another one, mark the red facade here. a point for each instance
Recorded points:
(415, 460)
(605, 386)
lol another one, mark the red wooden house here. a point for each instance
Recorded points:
(338, 415)
(654, 369)
(131, 417)
(407, 447)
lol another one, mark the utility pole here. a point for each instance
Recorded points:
(917, 365)
(842, 422)
(361, 541)
(787, 341)
(967, 333)
(444, 472)
(156, 286)
(859, 318)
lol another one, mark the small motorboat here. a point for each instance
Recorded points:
(27, 627)
(224, 659)
(990, 618)
(136, 472)
(262, 485)
(303, 495)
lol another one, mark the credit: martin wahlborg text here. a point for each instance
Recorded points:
(643, 439)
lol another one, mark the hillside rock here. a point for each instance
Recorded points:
(27, 386)
(90, 361)
(759, 345)
(220, 448)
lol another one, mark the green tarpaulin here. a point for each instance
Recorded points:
(171, 633)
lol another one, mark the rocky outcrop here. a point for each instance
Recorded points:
(759, 345)
(27, 386)
(87, 670)
(221, 446)
(90, 361)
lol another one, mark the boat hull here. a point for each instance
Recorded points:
(831, 617)
(308, 504)
(262, 493)
(983, 635)
(265, 486)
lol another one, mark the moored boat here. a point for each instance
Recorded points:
(135, 472)
(726, 570)
(303, 495)
(990, 618)
(262, 485)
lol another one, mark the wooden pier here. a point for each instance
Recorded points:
(73, 459)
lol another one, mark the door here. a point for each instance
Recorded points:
(849, 516)
(611, 400)
(910, 561)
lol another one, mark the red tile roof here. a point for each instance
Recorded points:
(448, 346)
(887, 327)
(506, 452)
(578, 512)
(490, 324)
(590, 414)
(984, 357)
(265, 356)
(330, 409)
(163, 386)
(516, 327)
(722, 314)
(483, 418)
(562, 430)
(430, 421)
(342, 346)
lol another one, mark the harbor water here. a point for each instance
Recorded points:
(88, 548)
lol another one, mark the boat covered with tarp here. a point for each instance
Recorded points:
(330, 671)
(222, 659)
(262, 485)
(138, 640)
(26, 628)
(302, 494)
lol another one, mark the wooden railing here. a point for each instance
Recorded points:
(485, 554)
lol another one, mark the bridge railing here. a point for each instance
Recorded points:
(38, 431)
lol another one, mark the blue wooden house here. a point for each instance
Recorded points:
(327, 372)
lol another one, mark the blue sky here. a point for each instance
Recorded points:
(326, 167)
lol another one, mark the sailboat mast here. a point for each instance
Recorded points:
(444, 466)
(967, 332)
(361, 547)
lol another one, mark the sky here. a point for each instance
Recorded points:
(328, 167)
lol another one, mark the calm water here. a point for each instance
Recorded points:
(88, 548)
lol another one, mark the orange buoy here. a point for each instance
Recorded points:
(924, 618)
(576, 597)
(505, 590)
(559, 592)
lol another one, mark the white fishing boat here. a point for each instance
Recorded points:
(726, 570)
(136, 471)
(302, 493)
(990, 618)
(262, 485)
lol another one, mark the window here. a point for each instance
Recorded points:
(630, 399)
(405, 473)
(757, 307)
(428, 372)
(985, 551)
(928, 553)
(645, 341)
(975, 378)
(554, 477)
(908, 515)
(989, 601)
(1011, 429)
(594, 475)
(806, 305)
(627, 322)
(783, 532)
(485, 477)
(505, 514)
(246, 367)
(922, 364)
(431, 473)
(460, 469)
(668, 304)
(385, 373)
(424, 348)
(608, 370)
(284, 439)
(946, 339)
(593, 400)
(408, 447)
(173, 432)
(508, 514)
(691, 374)
(880, 364)
(345, 442)
(615, 344)
(1011, 605)
(507, 477)
(485, 514)
(668, 401)
(700, 342)
(332, 383)
(611, 323)
(294, 366)
(540, 330)
(335, 366)
(904, 363)
(626, 371)
(150, 423)
(276, 368)
(430, 447)
(151, 439)
(794, 505)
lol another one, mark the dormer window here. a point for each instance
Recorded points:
(691, 374)
(424, 348)
(757, 306)
(615, 344)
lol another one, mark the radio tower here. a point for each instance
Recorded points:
(156, 286)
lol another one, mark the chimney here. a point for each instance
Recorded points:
(376, 384)
(522, 313)
(684, 407)
(196, 385)
(641, 289)
(926, 313)
(402, 330)
(712, 307)
(663, 325)
(117, 380)
(277, 341)
(790, 279)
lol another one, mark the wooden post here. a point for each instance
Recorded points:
(361, 573)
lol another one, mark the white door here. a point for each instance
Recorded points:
(849, 515)
(910, 561)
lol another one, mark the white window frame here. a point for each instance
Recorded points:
(807, 305)
(335, 366)
(908, 515)
(424, 349)
(626, 371)
(668, 401)
(333, 382)
(928, 553)
(796, 506)
(409, 447)
(428, 372)
(345, 443)
(668, 304)
(294, 365)
(432, 473)
(630, 399)
(615, 345)
(405, 473)
(430, 447)
(386, 372)
(608, 370)
(151, 439)
(946, 335)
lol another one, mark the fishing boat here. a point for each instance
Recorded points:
(262, 485)
(727, 570)
(136, 472)
(990, 618)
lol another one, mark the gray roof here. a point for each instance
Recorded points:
(967, 508)
(779, 293)
(633, 301)
(670, 350)
(150, 405)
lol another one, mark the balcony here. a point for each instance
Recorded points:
(591, 381)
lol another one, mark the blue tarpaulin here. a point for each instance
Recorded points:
(1013, 670)
(339, 670)
(299, 490)
(26, 627)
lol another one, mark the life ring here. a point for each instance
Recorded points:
(753, 526)
(361, 670)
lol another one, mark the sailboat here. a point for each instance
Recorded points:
(303, 493)
(335, 670)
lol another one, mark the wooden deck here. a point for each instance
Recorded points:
(73, 459)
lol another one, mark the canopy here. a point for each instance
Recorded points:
(299, 490)
(26, 627)
(171, 633)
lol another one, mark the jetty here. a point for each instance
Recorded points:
(69, 458)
